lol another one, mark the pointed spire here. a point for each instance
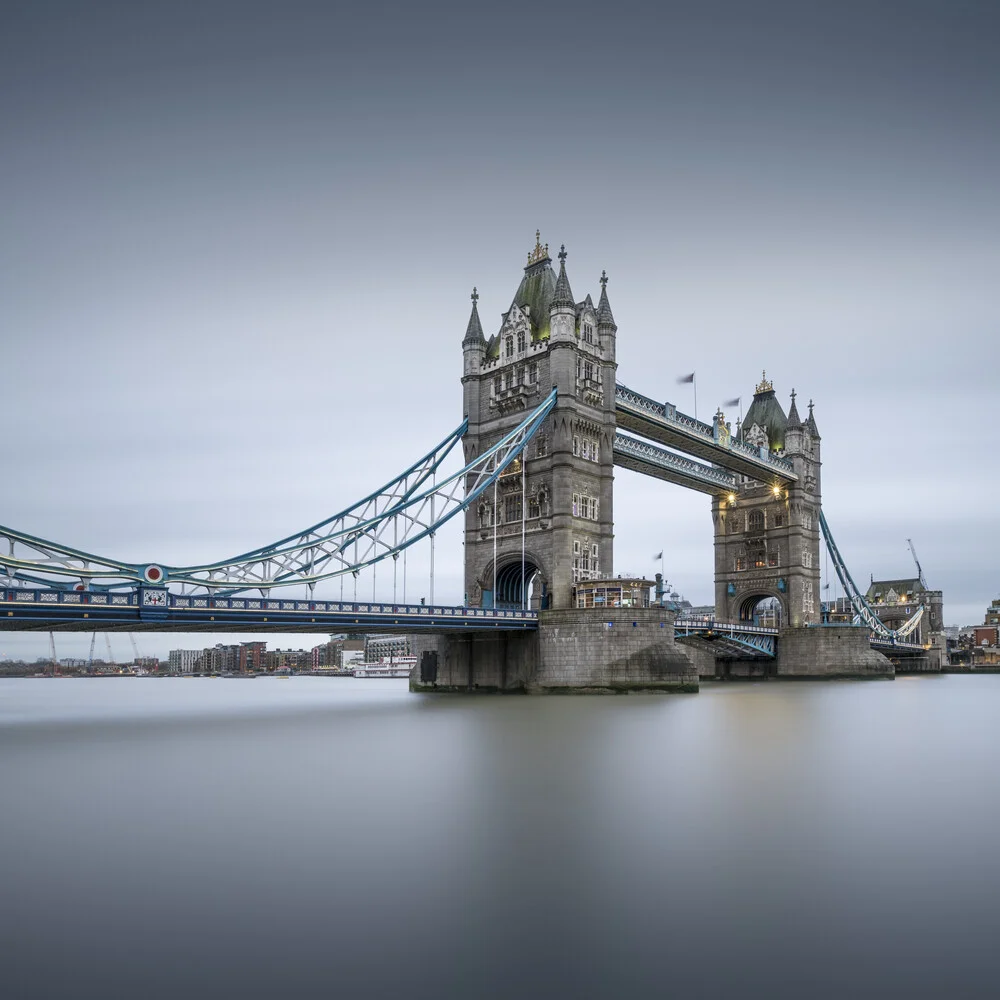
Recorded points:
(474, 331)
(794, 420)
(811, 421)
(604, 317)
(563, 296)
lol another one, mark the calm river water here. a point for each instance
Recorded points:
(343, 838)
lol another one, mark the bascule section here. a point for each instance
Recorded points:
(767, 537)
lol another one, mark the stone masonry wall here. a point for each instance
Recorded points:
(830, 651)
(611, 650)
(485, 662)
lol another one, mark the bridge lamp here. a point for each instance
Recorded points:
(732, 499)
(776, 490)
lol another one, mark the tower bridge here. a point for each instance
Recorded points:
(545, 422)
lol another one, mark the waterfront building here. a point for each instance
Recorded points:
(183, 661)
(252, 657)
(382, 646)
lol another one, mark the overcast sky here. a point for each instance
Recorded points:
(239, 239)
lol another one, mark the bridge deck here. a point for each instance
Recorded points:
(154, 610)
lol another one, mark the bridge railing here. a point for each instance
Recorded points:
(166, 601)
(706, 625)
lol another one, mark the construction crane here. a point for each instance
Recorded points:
(52, 651)
(90, 658)
(135, 648)
(920, 572)
(111, 656)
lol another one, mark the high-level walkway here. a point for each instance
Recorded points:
(664, 423)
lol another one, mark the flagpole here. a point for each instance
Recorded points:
(694, 385)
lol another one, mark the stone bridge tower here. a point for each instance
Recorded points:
(767, 545)
(546, 339)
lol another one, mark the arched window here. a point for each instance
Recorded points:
(520, 340)
(756, 521)
(508, 345)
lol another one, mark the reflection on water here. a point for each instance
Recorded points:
(332, 837)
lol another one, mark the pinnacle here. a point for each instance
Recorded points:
(604, 315)
(563, 295)
(474, 331)
(794, 420)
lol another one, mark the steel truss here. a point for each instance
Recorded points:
(406, 510)
(739, 639)
(863, 612)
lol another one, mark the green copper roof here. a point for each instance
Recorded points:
(766, 412)
(536, 291)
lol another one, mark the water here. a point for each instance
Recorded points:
(340, 838)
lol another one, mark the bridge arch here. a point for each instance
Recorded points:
(512, 574)
(762, 607)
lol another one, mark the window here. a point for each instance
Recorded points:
(807, 520)
(520, 374)
(485, 515)
(595, 451)
(512, 508)
(576, 445)
(585, 449)
(588, 333)
(508, 345)
(772, 558)
(779, 520)
(496, 385)
(807, 559)
(579, 367)
(508, 378)
(588, 371)
(576, 548)
(741, 564)
(520, 340)
(541, 445)
(533, 508)
(576, 508)
(533, 372)
(756, 521)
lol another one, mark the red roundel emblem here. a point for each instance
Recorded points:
(153, 574)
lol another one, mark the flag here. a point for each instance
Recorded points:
(732, 402)
(686, 378)
(659, 555)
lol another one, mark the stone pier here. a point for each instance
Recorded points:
(830, 651)
(580, 651)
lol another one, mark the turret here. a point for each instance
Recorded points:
(562, 312)
(607, 329)
(473, 356)
(794, 430)
(474, 344)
